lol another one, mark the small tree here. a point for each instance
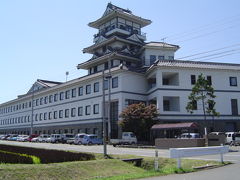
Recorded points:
(202, 91)
(139, 118)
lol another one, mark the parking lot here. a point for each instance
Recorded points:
(233, 155)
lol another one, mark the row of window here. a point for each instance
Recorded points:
(153, 58)
(73, 112)
(60, 96)
(232, 80)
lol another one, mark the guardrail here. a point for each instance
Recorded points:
(178, 153)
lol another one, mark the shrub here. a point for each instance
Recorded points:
(14, 158)
(49, 156)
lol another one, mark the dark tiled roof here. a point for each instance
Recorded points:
(175, 126)
(113, 7)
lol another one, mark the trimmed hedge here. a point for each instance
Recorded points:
(14, 158)
(49, 156)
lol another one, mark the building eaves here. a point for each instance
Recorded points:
(195, 65)
(106, 57)
(160, 45)
(117, 13)
(112, 39)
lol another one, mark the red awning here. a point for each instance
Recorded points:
(190, 125)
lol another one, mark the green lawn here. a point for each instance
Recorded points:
(96, 169)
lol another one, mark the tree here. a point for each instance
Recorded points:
(139, 118)
(202, 91)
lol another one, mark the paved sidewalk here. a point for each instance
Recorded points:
(229, 172)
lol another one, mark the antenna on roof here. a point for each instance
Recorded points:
(163, 40)
(67, 73)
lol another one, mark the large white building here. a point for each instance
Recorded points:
(140, 72)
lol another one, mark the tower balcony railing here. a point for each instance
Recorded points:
(125, 30)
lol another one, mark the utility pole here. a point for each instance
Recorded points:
(103, 117)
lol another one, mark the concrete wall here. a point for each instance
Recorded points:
(166, 143)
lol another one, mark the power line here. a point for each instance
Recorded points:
(220, 56)
(207, 34)
(205, 52)
(203, 27)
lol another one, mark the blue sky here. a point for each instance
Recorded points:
(44, 39)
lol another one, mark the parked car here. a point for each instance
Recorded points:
(127, 138)
(79, 138)
(229, 137)
(5, 137)
(71, 140)
(56, 138)
(35, 139)
(23, 138)
(12, 137)
(90, 139)
(43, 137)
(189, 135)
(65, 137)
(32, 136)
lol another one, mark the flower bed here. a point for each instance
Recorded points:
(48, 156)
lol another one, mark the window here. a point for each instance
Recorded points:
(80, 111)
(50, 115)
(73, 112)
(40, 116)
(209, 78)
(105, 84)
(95, 69)
(36, 117)
(61, 96)
(234, 105)
(55, 114)
(45, 116)
(105, 65)
(50, 98)
(80, 91)
(88, 89)
(170, 57)
(67, 94)
(233, 81)
(88, 110)
(61, 114)
(37, 102)
(96, 87)
(96, 108)
(160, 57)
(66, 113)
(193, 79)
(166, 105)
(194, 105)
(152, 59)
(55, 97)
(115, 82)
(46, 100)
(41, 101)
(73, 92)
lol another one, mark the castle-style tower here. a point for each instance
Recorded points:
(119, 40)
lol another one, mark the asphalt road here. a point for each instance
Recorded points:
(223, 173)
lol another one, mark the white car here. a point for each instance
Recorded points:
(43, 137)
(35, 139)
(189, 135)
(229, 137)
(22, 138)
